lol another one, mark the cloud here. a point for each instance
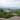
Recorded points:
(6, 3)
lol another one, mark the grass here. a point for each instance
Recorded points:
(18, 13)
(6, 14)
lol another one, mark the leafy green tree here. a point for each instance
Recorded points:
(1, 10)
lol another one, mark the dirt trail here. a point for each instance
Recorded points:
(12, 18)
(15, 18)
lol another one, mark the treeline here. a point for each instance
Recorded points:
(5, 14)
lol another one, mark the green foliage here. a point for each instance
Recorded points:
(18, 12)
(5, 14)
(1, 10)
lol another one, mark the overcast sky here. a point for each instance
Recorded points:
(18, 4)
(9, 3)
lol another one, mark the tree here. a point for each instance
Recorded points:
(1, 10)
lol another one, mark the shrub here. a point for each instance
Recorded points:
(18, 12)
(5, 14)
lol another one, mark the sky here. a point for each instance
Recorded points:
(18, 4)
(9, 3)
